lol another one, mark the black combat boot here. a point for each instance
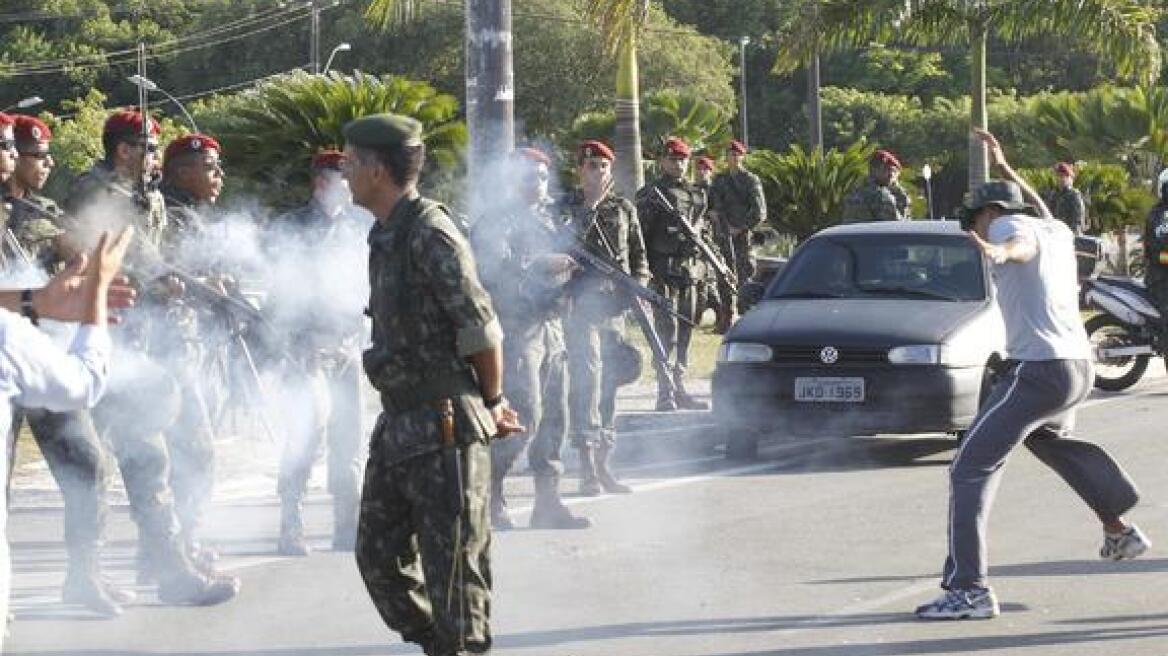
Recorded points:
(685, 400)
(500, 516)
(604, 472)
(85, 586)
(589, 483)
(549, 511)
(345, 510)
(192, 588)
(292, 528)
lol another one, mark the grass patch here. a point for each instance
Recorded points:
(703, 349)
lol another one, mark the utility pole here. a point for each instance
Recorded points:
(490, 91)
(742, 43)
(314, 38)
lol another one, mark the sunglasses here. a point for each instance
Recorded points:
(41, 155)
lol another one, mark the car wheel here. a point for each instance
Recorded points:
(742, 444)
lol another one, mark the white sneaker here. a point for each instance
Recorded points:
(1127, 545)
(975, 604)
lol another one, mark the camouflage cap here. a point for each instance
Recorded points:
(1003, 193)
(383, 131)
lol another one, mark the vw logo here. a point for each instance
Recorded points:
(829, 355)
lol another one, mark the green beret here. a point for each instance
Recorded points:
(383, 131)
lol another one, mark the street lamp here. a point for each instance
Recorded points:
(31, 101)
(742, 43)
(341, 47)
(149, 85)
(927, 174)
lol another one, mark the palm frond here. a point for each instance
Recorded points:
(384, 14)
(618, 20)
(1121, 31)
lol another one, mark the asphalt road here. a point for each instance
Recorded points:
(822, 547)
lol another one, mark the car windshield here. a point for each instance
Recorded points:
(931, 267)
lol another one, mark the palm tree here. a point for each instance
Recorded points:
(1121, 31)
(489, 76)
(270, 133)
(620, 23)
(704, 125)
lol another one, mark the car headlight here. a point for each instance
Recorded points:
(915, 354)
(744, 352)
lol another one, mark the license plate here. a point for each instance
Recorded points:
(829, 390)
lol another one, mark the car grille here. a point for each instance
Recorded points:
(847, 355)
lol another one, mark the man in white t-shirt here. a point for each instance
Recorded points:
(1047, 375)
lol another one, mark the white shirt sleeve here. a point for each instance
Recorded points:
(36, 373)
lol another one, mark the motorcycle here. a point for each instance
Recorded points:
(1125, 333)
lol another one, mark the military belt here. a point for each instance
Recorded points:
(397, 400)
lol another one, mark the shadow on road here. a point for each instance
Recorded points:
(1049, 568)
(335, 650)
(1012, 643)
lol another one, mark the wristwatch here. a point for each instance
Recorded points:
(26, 307)
(491, 404)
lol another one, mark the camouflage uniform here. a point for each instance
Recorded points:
(143, 400)
(677, 269)
(177, 342)
(414, 546)
(1067, 205)
(594, 327)
(875, 202)
(530, 306)
(331, 376)
(737, 199)
(33, 221)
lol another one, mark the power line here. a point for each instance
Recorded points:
(119, 56)
(208, 92)
(155, 55)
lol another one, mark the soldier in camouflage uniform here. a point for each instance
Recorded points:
(607, 225)
(143, 399)
(423, 539)
(522, 266)
(710, 294)
(192, 180)
(1067, 204)
(738, 206)
(675, 263)
(67, 440)
(881, 198)
(330, 379)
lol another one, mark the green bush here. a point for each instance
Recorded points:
(805, 190)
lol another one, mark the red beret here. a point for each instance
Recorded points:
(328, 159)
(533, 155)
(5, 120)
(128, 122)
(589, 149)
(1064, 168)
(885, 157)
(30, 130)
(191, 143)
(737, 147)
(677, 147)
(706, 163)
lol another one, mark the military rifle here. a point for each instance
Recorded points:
(599, 265)
(691, 234)
(633, 293)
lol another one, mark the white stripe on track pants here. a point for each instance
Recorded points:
(1033, 401)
